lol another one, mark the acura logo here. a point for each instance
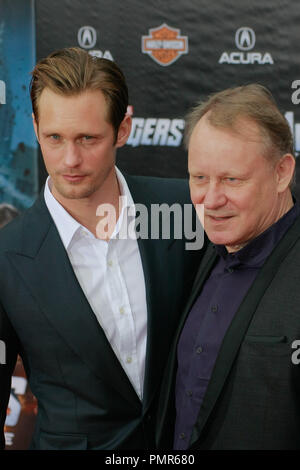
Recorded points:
(87, 37)
(245, 38)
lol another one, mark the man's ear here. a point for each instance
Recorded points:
(285, 169)
(35, 126)
(124, 131)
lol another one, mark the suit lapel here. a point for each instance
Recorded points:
(239, 326)
(46, 270)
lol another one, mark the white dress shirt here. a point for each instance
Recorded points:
(111, 276)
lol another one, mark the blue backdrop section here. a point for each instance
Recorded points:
(18, 147)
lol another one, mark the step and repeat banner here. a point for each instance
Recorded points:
(173, 54)
(19, 182)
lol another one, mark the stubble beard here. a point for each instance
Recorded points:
(74, 190)
(78, 189)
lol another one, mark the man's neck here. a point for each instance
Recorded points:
(285, 204)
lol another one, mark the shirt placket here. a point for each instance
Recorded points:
(117, 293)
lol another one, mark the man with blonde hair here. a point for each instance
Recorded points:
(233, 376)
(91, 312)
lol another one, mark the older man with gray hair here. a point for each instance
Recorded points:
(231, 377)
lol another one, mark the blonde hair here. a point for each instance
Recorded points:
(70, 71)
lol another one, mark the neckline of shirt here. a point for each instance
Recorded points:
(67, 226)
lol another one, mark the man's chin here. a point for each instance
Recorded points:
(231, 244)
(218, 238)
(72, 192)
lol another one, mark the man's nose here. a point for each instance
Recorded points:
(72, 157)
(215, 196)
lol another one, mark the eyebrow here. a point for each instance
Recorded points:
(78, 136)
(231, 173)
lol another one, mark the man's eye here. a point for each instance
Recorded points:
(231, 180)
(88, 137)
(54, 137)
(200, 178)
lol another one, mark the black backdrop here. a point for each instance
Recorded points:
(216, 56)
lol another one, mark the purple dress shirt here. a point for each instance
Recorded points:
(210, 317)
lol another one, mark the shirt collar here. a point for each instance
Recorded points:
(67, 226)
(127, 204)
(258, 249)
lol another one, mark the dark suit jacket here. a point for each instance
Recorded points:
(85, 399)
(253, 398)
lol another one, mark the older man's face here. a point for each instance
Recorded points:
(236, 183)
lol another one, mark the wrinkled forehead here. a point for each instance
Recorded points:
(240, 126)
(221, 148)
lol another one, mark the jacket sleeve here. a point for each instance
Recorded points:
(8, 356)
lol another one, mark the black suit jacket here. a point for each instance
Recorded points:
(253, 398)
(85, 400)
